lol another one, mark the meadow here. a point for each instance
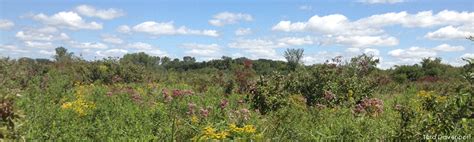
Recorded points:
(142, 97)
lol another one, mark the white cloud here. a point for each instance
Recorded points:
(70, 20)
(111, 39)
(381, 1)
(450, 32)
(106, 14)
(362, 41)
(225, 18)
(420, 19)
(340, 25)
(41, 34)
(6, 24)
(35, 44)
(12, 48)
(155, 52)
(168, 28)
(335, 24)
(243, 31)
(371, 51)
(468, 55)
(145, 47)
(448, 48)
(295, 41)
(319, 57)
(46, 52)
(140, 46)
(124, 29)
(412, 53)
(260, 48)
(112, 53)
(89, 45)
(204, 50)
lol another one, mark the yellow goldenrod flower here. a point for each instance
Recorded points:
(66, 105)
(249, 129)
(208, 130)
(194, 119)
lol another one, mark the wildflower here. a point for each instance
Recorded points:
(221, 135)
(245, 113)
(191, 107)
(177, 93)
(223, 103)
(66, 105)
(236, 129)
(350, 93)
(441, 99)
(249, 129)
(194, 119)
(425, 94)
(208, 130)
(167, 97)
(204, 112)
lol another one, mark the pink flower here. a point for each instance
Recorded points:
(191, 107)
(223, 103)
(204, 112)
(167, 97)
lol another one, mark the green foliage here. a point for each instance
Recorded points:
(147, 98)
(269, 93)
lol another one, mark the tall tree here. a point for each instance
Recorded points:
(293, 57)
(62, 54)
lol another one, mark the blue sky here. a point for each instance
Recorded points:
(396, 31)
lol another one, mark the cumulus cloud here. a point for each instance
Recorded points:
(225, 18)
(448, 48)
(140, 46)
(369, 31)
(362, 41)
(124, 29)
(111, 53)
(70, 20)
(35, 44)
(41, 34)
(204, 50)
(168, 28)
(381, 1)
(145, 47)
(89, 45)
(243, 31)
(420, 19)
(261, 48)
(450, 32)
(412, 53)
(105, 14)
(295, 41)
(6, 24)
(334, 24)
(46, 52)
(111, 39)
(12, 48)
(468, 55)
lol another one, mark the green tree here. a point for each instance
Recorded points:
(293, 57)
(62, 54)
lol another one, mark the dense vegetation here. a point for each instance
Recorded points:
(144, 97)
